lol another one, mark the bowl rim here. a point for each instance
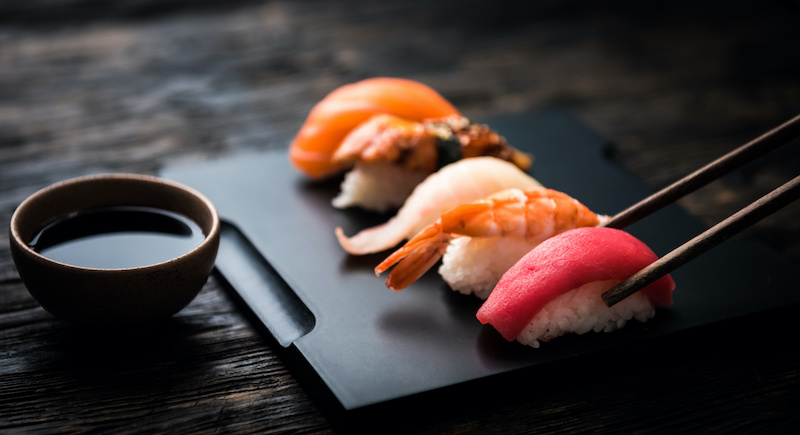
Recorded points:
(208, 238)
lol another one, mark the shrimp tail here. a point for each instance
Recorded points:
(414, 258)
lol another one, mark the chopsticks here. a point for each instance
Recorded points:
(720, 232)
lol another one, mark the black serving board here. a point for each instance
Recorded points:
(370, 345)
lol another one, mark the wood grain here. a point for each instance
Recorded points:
(89, 86)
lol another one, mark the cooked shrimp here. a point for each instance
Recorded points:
(527, 216)
(331, 119)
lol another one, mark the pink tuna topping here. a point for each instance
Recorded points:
(563, 263)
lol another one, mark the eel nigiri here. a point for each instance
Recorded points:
(390, 155)
(481, 240)
(455, 184)
(555, 288)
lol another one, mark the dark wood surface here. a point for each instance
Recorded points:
(91, 86)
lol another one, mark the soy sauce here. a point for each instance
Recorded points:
(118, 237)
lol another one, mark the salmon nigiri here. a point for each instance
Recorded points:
(455, 184)
(389, 134)
(481, 240)
(333, 117)
(556, 288)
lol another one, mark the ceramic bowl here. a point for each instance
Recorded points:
(121, 296)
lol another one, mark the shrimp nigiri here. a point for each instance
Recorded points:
(455, 184)
(389, 134)
(481, 240)
(555, 288)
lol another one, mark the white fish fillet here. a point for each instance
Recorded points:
(455, 184)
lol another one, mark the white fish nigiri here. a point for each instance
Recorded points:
(455, 184)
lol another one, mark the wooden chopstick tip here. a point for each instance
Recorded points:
(744, 218)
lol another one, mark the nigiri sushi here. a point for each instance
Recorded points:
(481, 240)
(391, 155)
(333, 117)
(556, 288)
(455, 184)
(389, 134)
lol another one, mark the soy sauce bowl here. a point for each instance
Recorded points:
(119, 296)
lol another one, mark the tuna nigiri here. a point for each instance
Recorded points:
(390, 134)
(455, 184)
(555, 289)
(481, 240)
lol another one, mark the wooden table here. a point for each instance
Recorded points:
(89, 87)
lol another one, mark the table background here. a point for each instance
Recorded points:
(91, 86)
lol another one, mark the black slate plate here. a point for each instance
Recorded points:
(370, 345)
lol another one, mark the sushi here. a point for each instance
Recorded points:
(390, 156)
(556, 288)
(388, 135)
(333, 117)
(479, 241)
(377, 181)
(455, 184)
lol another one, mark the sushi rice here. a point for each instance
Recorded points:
(582, 310)
(474, 265)
(377, 187)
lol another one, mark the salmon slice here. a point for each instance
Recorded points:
(332, 118)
